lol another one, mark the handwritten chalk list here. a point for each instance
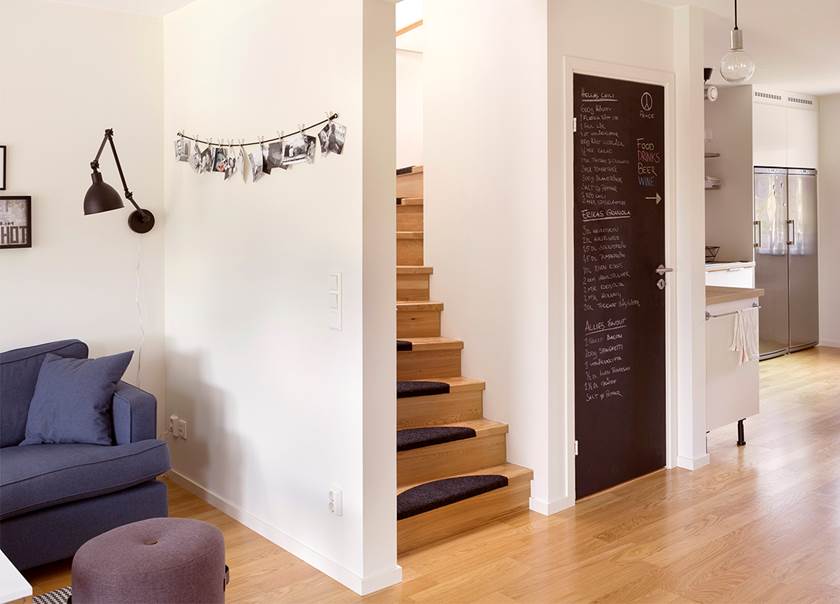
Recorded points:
(619, 238)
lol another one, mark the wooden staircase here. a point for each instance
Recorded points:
(423, 355)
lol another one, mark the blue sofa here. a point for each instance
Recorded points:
(54, 498)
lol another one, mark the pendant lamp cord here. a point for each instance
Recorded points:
(736, 14)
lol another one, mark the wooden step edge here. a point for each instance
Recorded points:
(415, 270)
(418, 307)
(456, 384)
(426, 344)
(409, 170)
(409, 234)
(515, 474)
(409, 201)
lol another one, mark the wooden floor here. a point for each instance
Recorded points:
(760, 524)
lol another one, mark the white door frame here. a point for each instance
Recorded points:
(572, 66)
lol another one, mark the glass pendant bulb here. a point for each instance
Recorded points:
(737, 66)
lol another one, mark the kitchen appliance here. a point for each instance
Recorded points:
(785, 242)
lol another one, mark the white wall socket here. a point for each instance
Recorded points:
(182, 429)
(173, 425)
(336, 504)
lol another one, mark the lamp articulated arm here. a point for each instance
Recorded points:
(101, 197)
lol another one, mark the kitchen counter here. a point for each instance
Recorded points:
(721, 295)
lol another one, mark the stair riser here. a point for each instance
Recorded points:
(410, 218)
(413, 288)
(410, 185)
(450, 520)
(418, 323)
(418, 365)
(457, 457)
(410, 252)
(420, 411)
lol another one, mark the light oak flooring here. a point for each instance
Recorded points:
(760, 524)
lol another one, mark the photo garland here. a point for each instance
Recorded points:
(283, 152)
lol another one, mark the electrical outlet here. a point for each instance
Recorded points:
(182, 429)
(173, 425)
(336, 505)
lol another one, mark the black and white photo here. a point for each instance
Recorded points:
(220, 160)
(275, 155)
(332, 138)
(182, 149)
(298, 149)
(206, 163)
(15, 221)
(266, 162)
(256, 162)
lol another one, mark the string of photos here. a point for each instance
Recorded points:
(230, 156)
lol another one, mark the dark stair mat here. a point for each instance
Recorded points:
(436, 494)
(417, 388)
(406, 170)
(404, 346)
(399, 201)
(416, 438)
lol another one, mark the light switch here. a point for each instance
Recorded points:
(334, 301)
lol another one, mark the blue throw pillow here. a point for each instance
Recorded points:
(72, 400)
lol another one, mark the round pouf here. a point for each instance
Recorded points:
(159, 560)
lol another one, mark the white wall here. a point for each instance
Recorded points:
(486, 178)
(69, 73)
(409, 108)
(829, 209)
(282, 408)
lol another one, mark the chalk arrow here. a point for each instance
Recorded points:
(657, 198)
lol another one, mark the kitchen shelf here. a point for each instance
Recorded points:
(712, 187)
(711, 155)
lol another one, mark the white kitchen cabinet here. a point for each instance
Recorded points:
(785, 129)
(803, 138)
(731, 388)
(769, 135)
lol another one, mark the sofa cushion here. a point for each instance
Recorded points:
(18, 374)
(72, 400)
(41, 476)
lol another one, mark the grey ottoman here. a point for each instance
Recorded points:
(153, 561)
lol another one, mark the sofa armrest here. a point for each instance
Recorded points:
(135, 414)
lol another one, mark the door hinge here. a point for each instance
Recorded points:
(574, 124)
(576, 448)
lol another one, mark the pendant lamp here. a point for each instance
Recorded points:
(736, 66)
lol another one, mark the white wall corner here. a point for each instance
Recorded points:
(549, 507)
(693, 463)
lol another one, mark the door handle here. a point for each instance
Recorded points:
(756, 240)
(791, 232)
(661, 270)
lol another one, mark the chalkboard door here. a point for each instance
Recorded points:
(619, 238)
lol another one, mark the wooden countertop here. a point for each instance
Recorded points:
(720, 295)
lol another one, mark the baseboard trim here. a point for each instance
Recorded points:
(695, 463)
(361, 585)
(829, 344)
(547, 508)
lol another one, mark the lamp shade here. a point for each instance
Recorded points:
(101, 197)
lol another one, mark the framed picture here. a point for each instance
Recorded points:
(2, 167)
(15, 221)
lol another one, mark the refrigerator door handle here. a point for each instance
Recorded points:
(756, 233)
(791, 225)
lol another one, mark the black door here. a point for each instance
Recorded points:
(619, 214)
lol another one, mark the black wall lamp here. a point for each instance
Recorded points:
(102, 197)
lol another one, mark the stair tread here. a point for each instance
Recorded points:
(423, 305)
(430, 343)
(414, 270)
(457, 384)
(409, 234)
(409, 170)
(511, 471)
(409, 201)
(483, 427)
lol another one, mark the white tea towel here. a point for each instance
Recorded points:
(745, 335)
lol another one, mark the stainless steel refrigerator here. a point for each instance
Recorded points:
(785, 241)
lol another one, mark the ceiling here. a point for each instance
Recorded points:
(795, 45)
(154, 8)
